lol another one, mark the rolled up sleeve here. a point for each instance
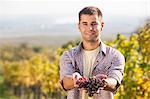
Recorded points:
(66, 67)
(116, 69)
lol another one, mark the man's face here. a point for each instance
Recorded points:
(90, 27)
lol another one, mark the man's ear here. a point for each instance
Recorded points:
(102, 24)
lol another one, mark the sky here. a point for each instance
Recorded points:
(19, 15)
(68, 9)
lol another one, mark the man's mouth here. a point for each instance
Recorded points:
(90, 33)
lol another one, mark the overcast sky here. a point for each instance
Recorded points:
(67, 10)
(30, 17)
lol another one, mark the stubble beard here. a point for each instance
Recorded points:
(92, 39)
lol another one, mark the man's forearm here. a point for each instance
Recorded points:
(110, 84)
(68, 82)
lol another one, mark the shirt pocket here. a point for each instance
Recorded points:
(102, 68)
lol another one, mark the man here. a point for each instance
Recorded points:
(91, 58)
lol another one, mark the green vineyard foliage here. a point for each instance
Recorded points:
(33, 72)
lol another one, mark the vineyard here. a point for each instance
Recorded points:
(32, 72)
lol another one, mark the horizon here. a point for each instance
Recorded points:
(27, 17)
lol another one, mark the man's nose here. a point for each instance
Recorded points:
(90, 27)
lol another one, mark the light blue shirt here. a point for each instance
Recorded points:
(109, 61)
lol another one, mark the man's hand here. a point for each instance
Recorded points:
(69, 81)
(102, 78)
(75, 77)
(108, 83)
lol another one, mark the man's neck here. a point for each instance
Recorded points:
(91, 45)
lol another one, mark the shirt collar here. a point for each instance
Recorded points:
(102, 47)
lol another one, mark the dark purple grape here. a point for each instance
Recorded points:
(90, 84)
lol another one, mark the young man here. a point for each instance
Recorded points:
(91, 58)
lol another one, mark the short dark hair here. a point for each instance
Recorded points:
(90, 10)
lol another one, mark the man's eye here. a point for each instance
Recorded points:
(85, 24)
(93, 24)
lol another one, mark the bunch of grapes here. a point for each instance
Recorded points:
(82, 82)
(91, 85)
